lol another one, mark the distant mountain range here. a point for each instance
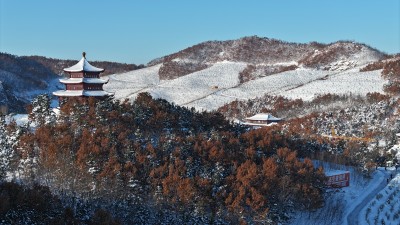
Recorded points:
(210, 74)
(270, 55)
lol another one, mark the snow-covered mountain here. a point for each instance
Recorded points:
(211, 74)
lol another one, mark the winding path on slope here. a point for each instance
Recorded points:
(352, 217)
(273, 92)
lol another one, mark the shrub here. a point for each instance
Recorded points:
(393, 87)
(377, 97)
(391, 70)
(246, 74)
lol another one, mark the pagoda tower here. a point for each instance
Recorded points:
(83, 80)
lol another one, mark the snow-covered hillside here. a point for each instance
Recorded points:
(211, 74)
(346, 82)
(195, 86)
(384, 207)
(126, 84)
(340, 56)
(186, 90)
(219, 84)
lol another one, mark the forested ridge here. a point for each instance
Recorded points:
(154, 162)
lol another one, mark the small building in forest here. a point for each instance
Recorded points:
(262, 119)
(337, 178)
(83, 80)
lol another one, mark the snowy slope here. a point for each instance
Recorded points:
(195, 86)
(182, 90)
(125, 84)
(219, 84)
(252, 67)
(340, 56)
(351, 81)
(272, 84)
(384, 208)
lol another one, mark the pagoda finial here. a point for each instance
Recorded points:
(84, 54)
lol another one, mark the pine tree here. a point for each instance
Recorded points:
(5, 149)
(9, 139)
(41, 112)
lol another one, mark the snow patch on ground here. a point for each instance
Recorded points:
(20, 119)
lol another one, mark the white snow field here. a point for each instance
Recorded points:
(197, 85)
(183, 90)
(20, 119)
(273, 85)
(350, 81)
(125, 84)
(219, 84)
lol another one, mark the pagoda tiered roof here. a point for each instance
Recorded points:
(83, 81)
(83, 65)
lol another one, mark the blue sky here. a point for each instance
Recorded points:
(139, 31)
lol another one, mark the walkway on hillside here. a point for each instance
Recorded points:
(352, 217)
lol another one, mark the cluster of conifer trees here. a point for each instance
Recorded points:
(146, 159)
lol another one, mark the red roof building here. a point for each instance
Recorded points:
(83, 81)
(338, 178)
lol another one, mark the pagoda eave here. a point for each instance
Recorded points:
(83, 80)
(96, 93)
(81, 93)
(81, 70)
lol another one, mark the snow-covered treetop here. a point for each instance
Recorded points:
(83, 65)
